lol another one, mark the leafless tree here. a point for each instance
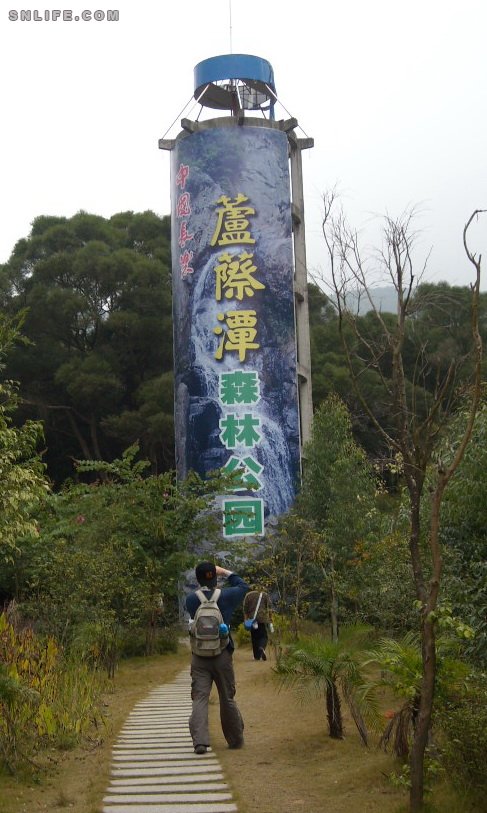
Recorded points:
(416, 423)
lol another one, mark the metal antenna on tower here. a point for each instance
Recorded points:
(230, 19)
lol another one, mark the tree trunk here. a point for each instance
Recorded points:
(423, 722)
(334, 612)
(415, 486)
(88, 455)
(423, 719)
(94, 438)
(334, 712)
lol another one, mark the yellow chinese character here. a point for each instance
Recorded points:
(240, 335)
(234, 276)
(232, 224)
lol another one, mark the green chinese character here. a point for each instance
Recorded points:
(229, 430)
(249, 470)
(243, 517)
(242, 430)
(239, 387)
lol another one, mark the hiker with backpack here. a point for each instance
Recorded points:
(258, 620)
(211, 611)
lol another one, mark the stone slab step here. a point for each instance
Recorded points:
(166, 730)
(188, 779)
(169, 798)
(157, 730)
(172, 770)
(153, 750)
(159, 726)
(146, 754)
(212, 807)
(161, 723)
(154, 768)
(157, 714)
(169, 756)
(165, 762)
(159, 741)
(181, 787)
(156, 736)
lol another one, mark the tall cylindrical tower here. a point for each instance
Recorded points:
(241, 337)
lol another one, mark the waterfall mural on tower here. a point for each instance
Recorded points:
(236, 400)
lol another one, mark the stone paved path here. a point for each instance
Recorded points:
(154, 768)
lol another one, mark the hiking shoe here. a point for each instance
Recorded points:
(263, 656)
(200, 749)
(238, 744)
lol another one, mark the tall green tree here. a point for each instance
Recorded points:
(337, 495)
(97, 298)
(287, 566)
(23, 484)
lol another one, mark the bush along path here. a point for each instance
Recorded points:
(154, 767)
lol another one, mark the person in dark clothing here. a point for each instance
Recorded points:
(217, 669)
(257, 605)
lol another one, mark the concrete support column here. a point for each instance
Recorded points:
(301, 286)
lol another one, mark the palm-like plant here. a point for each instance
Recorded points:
(401, 671)
(318, 666)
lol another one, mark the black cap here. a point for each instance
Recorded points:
(206, 574)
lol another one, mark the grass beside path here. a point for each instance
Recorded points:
(76, 780)
(289, 763)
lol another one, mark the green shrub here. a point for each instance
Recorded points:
(99, 643)
(241, 636)
(464, 728)
(139, 641)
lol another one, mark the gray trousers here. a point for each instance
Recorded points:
(203, 672)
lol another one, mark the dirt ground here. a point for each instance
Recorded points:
(288, 764)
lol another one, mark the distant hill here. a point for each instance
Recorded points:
(385, 299)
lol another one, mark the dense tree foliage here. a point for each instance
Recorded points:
(111, 553)
(97, 369)
(337, 496)
(418, 410)
(439, 325)
(464, 533)
(23, 484)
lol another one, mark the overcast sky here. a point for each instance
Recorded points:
(393, 92)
